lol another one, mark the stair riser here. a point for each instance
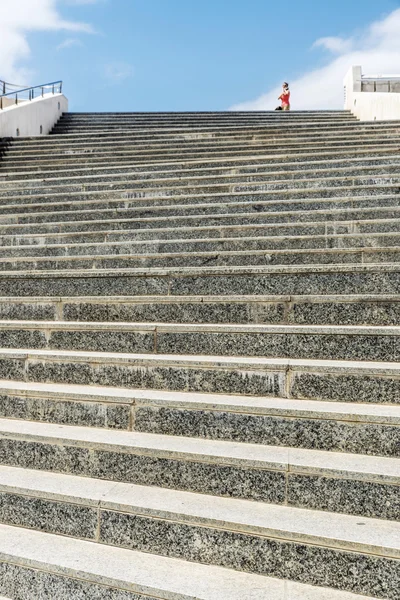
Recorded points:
(272, 486)
(209, 545)
(374, 347)
(304, 283)
(279, 312)
(296, 432)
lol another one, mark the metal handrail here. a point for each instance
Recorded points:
(54, 86)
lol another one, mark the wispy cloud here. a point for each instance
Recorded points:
(377, 49)
(17, 19)
(117, 72)
(69, 43)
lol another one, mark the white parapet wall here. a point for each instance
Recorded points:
(372, 98)
(32, 118)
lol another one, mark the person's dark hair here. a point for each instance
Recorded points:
(285, 84)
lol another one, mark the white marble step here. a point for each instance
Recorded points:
(164, 578)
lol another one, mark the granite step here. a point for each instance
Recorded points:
(182, 174)
(195, 185)
(62, 128)
(320, 380)
(188, 259)
(278, 235)
(379, 310)
(197, 141)
(46, 246)
(319, 342)
(353, 484)
(231, 166)
(371, 429)
(276, 200)
(98, 159)
(300, 222)
(223, 532)
(188, 138)
(67, 567)
(230, 161)
(200, 281)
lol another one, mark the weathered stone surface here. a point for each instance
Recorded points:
(22, 583)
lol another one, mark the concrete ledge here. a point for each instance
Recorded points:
(28, 118)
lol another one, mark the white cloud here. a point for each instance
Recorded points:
(116, 72)
(334, 44)
(17, 19)
(69, 43)
(376, 49)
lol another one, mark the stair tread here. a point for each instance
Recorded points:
(354, 466)
(166, 578)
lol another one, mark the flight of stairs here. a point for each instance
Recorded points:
(200, 358)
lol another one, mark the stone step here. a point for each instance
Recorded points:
(298, 222)
(319, 342)
(351, 484)
(9, 169)
(63, 130)
(191, 138)
(82, 127)
(67, 567)
(182, 259)
(183, 185)
(204, 529)
(99, 159)
(154, 154)
(379, 310)
(333, 381)
(276, 199)
(358, 243)
(371, 429)
(274, 233)
(146, 142)
(200, 281)
(99, 246)
(182, 174)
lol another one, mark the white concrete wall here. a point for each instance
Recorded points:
(369, 106)
(27, 117)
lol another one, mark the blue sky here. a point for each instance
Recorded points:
(150, 55)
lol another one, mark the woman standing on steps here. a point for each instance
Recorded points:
(285, 97)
